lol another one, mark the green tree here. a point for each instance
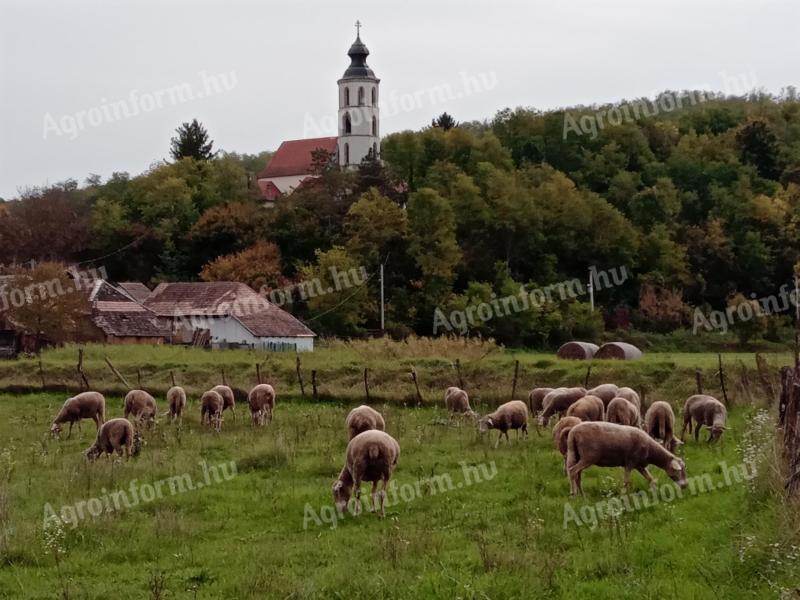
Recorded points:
(191, 141)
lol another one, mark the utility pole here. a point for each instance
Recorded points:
(382, 318)
(591, 290)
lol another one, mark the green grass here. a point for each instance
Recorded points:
(500, 538)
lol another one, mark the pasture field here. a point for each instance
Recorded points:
(465, 520)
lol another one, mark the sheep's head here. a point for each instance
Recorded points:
(92, 453)
(55, 429)
(676, 469)
(138, 442)
(485, 424)
(716, 431)
(674, 443)
(341, 494)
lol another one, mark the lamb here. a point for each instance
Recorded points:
(659, 423)
(588, 408)
(612, 445)
(457, 401)
(558, 401)
(606, 392)
(363, 418)
(86, 405)
(511, 415)
(262, 402)
(371, 456)
(705, 410)
(560, 433)
(228, 399)
(623, 412)
(631, 396)
(116, 435)
(211, 406)
(141, 405)
(176, 399)
(536, 398)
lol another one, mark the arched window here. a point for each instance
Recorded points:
(374, 126)
(347, 96)
(374, 96)
(346, 153)
(361, 96)
(346, 126)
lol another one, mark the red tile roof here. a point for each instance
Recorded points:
(269, 191)
(293, 157)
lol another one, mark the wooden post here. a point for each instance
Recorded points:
(139, 377)
(223, 376)
(41, 371)
(458, 372)
(698, 378)
(300, 377)
(516, 374)
(366, 382)
(314, 383)
(258, 373)
(586, 379)
(117, 373)
(416, 384)
(81, 375)
(172, 376)
(722, 381)
(763, 378)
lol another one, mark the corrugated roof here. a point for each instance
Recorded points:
(294, 157)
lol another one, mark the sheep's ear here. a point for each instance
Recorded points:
(676, 464)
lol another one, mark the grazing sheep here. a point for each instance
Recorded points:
(631, 396)
(457, 401)
(606, 392)
(558, 401)
(211, 404)
(176, 399)
(371, 456)
(87, 405)
(536, 398)
(623, 412)
(116, 435)
(588, 408)
(228, 399)
(705, 410)
(141, 405)
(612, 445)
(262, 402)
(659, 423)
(560, 433)
(363, 418)
(511, 415)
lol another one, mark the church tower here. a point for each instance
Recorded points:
(359, 117)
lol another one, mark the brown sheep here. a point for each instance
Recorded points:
(623, 412)
(211, 404)
(560, 433)
(141, 405)
(86, 405)
(176, 400)
(371, 456)
(363, 418)
(558, 401)
(115, 435)
(606, 392)
(262, 402)
(457, 401)
(612, 445)
(511, 415)
(659, 423)
(588, 408)
(536, 398)
(631, 396)
(228, 399)
(705, 410)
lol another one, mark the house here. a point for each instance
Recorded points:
(135, 289)
(121, 319)
(232, 314)
(292, 163)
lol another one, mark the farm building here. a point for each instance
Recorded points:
(121, 319)
(228, 313)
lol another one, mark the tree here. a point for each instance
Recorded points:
(758, 146)
(444, 121)
(192, 141)
(259, 266)
(374, 224)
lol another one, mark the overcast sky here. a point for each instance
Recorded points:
(93, 86)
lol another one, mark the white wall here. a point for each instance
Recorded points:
(229, 330)
(287, 183)
(361, 138)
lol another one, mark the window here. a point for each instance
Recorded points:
(374, 96)
(346, 126)
(374, 126)
(361, 96)
(347, 96)
(346, 153)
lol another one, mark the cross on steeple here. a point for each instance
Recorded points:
(358, 28)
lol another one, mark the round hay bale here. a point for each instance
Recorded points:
(577, 351)
(619, 351)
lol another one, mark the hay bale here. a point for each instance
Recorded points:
(619, 351)
(577, 351)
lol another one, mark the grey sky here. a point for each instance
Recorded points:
(282, 60)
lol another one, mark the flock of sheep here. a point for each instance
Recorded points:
(597, 427)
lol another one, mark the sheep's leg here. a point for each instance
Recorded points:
(627, 479)
(697, 432)
(357, 495)
(373, 496)
(575, 472)
(687, 422)
(69, 434)
(499, 436)
(646, 474)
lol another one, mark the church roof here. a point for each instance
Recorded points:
(358, 68)
(294, 157)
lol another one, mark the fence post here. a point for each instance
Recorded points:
(81, 375)
(458, 372)
(300, 377)
(223, 376)
(41, 371)
(698, 378)
(722, 381)
(117, 373)
(366, 382)
(416, 384)
(139, 377)
(172, 376)
(586, 379)
(258, 373)
(516, 374)
(314, 382)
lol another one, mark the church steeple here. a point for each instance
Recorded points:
(358, 58)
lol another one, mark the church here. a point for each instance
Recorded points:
(358, 124)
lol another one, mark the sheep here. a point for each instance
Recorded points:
(612, 445)
(511, 415)
(705, 410)
(631, 396)
(457, 401)
(262, 402)
(211, 404)
(659, 423)
(536, 398)
(371, 456)
(560, 433)
(558, 401)
(86, 405)
(116, 435)
(623, 412)
(176, 399)
(363, 418)
(228, 399)
(606, 392)
(141, 405)
(588, 408)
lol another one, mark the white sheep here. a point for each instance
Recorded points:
(705, 410)
(588, 408)
(363, 418)
(228, 399)
(86, 405)
(605, 391)
(659, 423)
(211, 404)
(141, 405)
(536, 398)
(631, 396)
(262, 402)
(558, 401)
(176, 400)
(115, 435)
(511, 415)
(457, 401)
(623, 412)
